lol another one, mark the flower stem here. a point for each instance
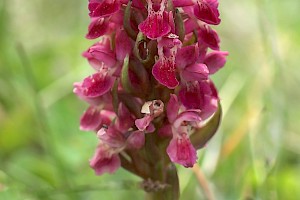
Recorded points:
(168, 190)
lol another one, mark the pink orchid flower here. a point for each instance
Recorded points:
(151, 53)
(94, 118)
(180, 149)
(105, 160)
(157, 23)
(93, 87)
(164, 69)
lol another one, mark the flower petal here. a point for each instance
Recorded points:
(209, 37)
(172, 108)
(186, 56)
(102, 52)
(91, 119)
(181, 151)
(207, 11)
(195, 72)
(200, 95)
(182, 3)
(95, 85)
(165, 131)
(104, 160)
(191, 96)
(123, 45)
(157, 23)
(192, 115)
(215, 61)
(111, 137)
(144, 122)
(97, 28)
(104, 9)
(124, 120)
(164, 72)
(136, 139)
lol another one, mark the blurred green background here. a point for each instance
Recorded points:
(43, 155)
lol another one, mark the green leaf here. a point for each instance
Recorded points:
(115, 99)
(125, 80)
(126, 21)
(205, 133)
(145, 50)
(179, 25)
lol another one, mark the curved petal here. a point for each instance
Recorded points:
(94, 86)
(91, 119)
(164, 72)
(144, 122)
(172, 108)
(182, 3)
(209, 37)
(195, 72)
(125, 119)
(181, 151)
(101, 51)
(200, 95)
(97, 28)
(207, 11)
(136, 140)
(186, 56)
(215, 61)
(191, 96)
(104, 160)
(111, 137)
(104, 9)
(123, 45)
(157, 23)
(187, 116)
(165, 131)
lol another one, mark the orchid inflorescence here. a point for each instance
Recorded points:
(150, 96)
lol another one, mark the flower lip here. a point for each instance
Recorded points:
(105, 160)
(157, 23)
(95, 85)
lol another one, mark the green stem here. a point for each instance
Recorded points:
(170, 187)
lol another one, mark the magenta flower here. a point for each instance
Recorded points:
(207, 11)
(93, 87)
(151, 109)
(103, 8)
(164, 69)
(208, 37)
(97, 28)
(200, 95)
(190, 68)
(157, 23)
(105, 160)
(151, 53)
(215, 61)
(180, 149)
(101, 55)
(94, 118)
(105, 16)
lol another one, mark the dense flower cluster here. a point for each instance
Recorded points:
(152, 67)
